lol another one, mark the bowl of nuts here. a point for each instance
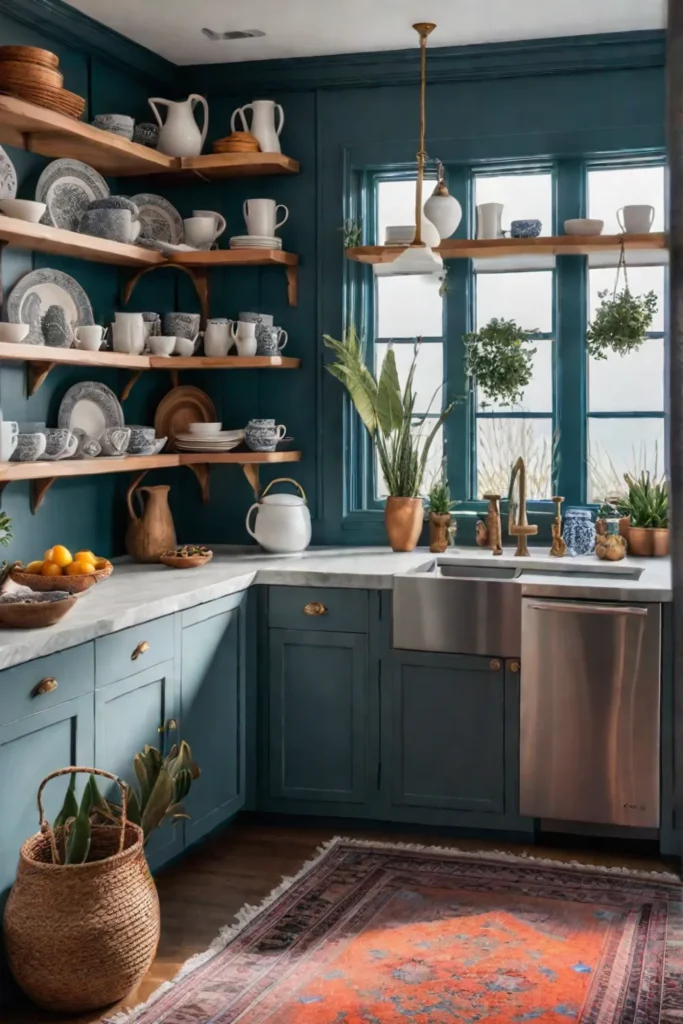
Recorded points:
(187, 556)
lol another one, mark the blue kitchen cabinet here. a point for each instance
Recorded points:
(141, 709)
(213, 710)
(445, 734)
(31, 748)
(322, 728)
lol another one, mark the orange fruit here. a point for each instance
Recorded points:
(60, 555)
(101, 563)
(36, 566)
(51, 569)
(85, 556)
(79, 568)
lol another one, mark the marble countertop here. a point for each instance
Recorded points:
(140, 593)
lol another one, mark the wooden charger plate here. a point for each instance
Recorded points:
(30, 55)
(179, 408)
(18, 72)
(59, 100)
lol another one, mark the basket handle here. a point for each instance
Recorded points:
(283, 480)
(44, 824)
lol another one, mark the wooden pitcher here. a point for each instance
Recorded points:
(149, 536)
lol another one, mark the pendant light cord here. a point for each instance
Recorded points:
(423, 29)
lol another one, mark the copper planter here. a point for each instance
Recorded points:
(403, 518)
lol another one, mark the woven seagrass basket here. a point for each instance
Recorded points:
(80, 936)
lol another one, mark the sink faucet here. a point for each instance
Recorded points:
(520, 529)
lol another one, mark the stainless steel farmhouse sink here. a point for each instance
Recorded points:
(473, 608)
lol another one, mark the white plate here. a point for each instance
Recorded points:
(8, 177)
(90, 407)
(34, 293)
(67, 187)
(159, 219)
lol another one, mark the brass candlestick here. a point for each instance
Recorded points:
(559, 547)
(493, 528)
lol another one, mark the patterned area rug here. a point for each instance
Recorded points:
(378, 934)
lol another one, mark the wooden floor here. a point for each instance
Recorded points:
(242, 864)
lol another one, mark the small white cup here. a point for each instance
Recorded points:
(14, 333)
(201, 232)
(636, 220)
(9, 433)
(23, 209)
(162, 344)
(89, 338)
(218, 219)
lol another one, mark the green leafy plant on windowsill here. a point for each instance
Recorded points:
(5, 529)
(439, 499)
(621, 324)
(647, 503)
(388, 413)
(352, 233)
(499, 360)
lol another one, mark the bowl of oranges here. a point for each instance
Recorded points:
(60, 570)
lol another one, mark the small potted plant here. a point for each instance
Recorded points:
(499, 360)
(441, 526)
(648, 504)
(620, 324)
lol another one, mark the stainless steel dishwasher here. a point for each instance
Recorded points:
(590, 704)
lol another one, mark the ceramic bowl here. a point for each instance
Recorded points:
(29, 447)
(162, 344)
(146, 133)
(155, 448)
(23, 209)
(141, 439)
(115, 440)
(58, 442)
(116, 203)
(525, 228)
(399, 234)
(119, 124)
(205, 429)
(14, 333)
(182, 325)
(263, 319)
(115, 225)
(583, 226)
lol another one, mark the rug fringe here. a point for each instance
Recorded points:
(248, 912)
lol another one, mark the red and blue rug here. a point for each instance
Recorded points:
(375, 934)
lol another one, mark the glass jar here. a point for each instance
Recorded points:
(579, 531)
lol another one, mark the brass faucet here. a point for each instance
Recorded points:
(520, 529)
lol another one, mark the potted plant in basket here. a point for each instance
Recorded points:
(620, 324)
(499, 360)
(648, 505)
(441, 527)
(387, 413)
(84, 895)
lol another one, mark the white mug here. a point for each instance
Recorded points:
(90, 338)
(218, 219)
(637, 220)
(200, 232)
(489, 220)
(260, 216)
(9, 434)
(218, 339)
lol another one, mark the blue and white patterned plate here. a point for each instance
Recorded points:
(8, 177)
(34, 293)
(67, 187)
(159, 219)
(90, 407)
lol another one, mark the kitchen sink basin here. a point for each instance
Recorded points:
(477, 572)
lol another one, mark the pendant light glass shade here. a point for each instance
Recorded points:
(417, 259)
(443, 210)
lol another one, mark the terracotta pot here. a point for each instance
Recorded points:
(624, 527)
(640, 541)
(440, 532)
(660, 541)
(403, 518)
(154, 534)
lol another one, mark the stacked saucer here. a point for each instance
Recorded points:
(255, 242)
(208, 437)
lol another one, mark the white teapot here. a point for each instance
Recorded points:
(283, 522)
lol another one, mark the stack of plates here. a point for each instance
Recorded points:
(32, 74)
(255, 242)
(223, 441)
(237, 142)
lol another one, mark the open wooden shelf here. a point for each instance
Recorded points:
(224, 363)
(238, 165)
(493, 248)
(44, 238)
(241, 458)
(234, 258)
(73, 357)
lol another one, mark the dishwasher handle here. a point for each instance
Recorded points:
(588, 609)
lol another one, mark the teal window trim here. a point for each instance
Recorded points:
(570, 414)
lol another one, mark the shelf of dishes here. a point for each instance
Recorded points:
(39, 130)
(12, 471)
(493, 248)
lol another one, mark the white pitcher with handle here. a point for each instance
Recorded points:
(179, 135)
(262, 123)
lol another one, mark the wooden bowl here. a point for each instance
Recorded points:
(72, 584)
(29, 55)
(35, 614)
(16, 72)
(191, 562)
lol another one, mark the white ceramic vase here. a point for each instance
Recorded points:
(262, 123)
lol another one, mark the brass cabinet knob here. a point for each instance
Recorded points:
(172, 724)
(141, 648)
(495, 665)
(514, 666)
(44, 686)
(315, 608)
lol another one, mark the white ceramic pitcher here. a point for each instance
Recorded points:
(244, 335)
(262, 123)
(283, 521)
(179, 135)
(128, 333)
(218, 338)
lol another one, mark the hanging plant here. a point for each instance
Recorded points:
(500, 360)
(352, 232)
(621, 324)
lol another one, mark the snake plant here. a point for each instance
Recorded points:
(647, 503)
(387, 413)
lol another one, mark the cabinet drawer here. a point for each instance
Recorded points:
(345, 611)
(43, 683)
(133, 650)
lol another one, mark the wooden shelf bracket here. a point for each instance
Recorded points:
(198, 276)
(37, 375)
(201, 471)
(293, 285)
(39, 489)
(251, 472)
(130, 384)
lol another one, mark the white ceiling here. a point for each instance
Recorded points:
(306, 28)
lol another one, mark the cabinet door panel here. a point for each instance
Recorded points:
(212, 694)
(448, 732)
(318, 715)
(29, 750)
(128, 715)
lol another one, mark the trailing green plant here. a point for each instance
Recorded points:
(647, 502)
(620, 324)
(352, 233)
(499, 360)
(163, 783)
(5, 529)
(440, 502)
(387, 412)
